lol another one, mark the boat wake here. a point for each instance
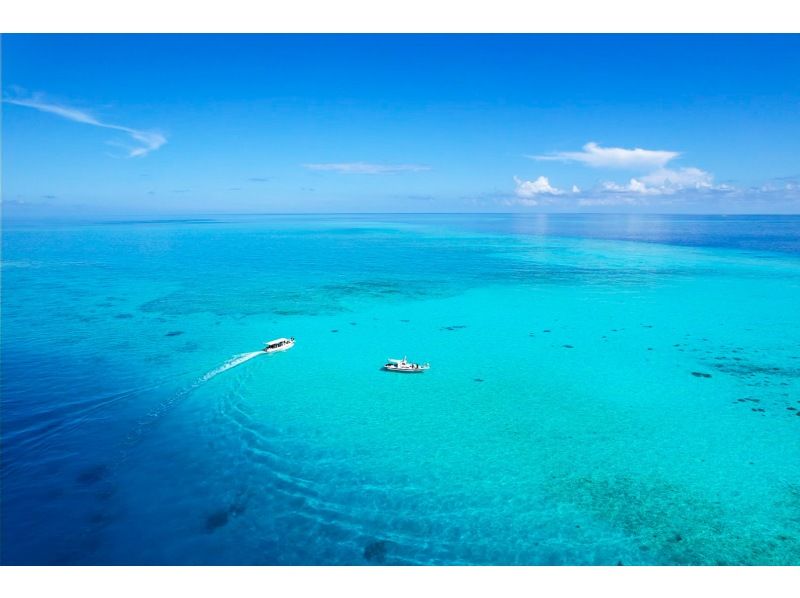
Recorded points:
(231, 363)
(154, 416)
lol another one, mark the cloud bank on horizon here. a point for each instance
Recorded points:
(656, 178)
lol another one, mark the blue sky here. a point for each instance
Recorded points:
(192, 124)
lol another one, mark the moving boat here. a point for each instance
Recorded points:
(403, 365)
(279, 344)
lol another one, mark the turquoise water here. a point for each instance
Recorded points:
(603, 390)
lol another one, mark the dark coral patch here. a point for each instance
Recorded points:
(92, 475)
(478, 379)
(676, 538)
(292, 311)
(174, 333)
(217, 520)
(701, 375)
(749, 369)
(568, 346)
(375, 552)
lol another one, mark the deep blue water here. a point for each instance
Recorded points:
(603, 389)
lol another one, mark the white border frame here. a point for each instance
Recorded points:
(424, 16)
(398, 16)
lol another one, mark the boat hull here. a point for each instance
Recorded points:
(405, 371)
(278, 349)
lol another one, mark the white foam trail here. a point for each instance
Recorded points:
(161, 409)
(231, 363)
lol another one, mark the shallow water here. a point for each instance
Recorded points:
(603, 390)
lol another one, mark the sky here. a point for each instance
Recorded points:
(98, 125)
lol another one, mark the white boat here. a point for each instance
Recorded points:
(403, 365)
(279, 344)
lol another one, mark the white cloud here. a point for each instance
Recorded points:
(633, 186)
(614, 157)
(665, 181)
(681, 178)
(63, 111)
(366, 168)
(540, 186)
(657, 178)
(148, 141)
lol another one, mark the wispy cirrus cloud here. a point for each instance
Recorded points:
(366, 167)
(146, 141)
(596, 156)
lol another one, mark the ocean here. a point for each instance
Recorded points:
(603, 390)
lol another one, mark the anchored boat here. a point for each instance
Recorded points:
(405, 366)
(279, 344)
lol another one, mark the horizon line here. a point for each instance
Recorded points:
(207, 215)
